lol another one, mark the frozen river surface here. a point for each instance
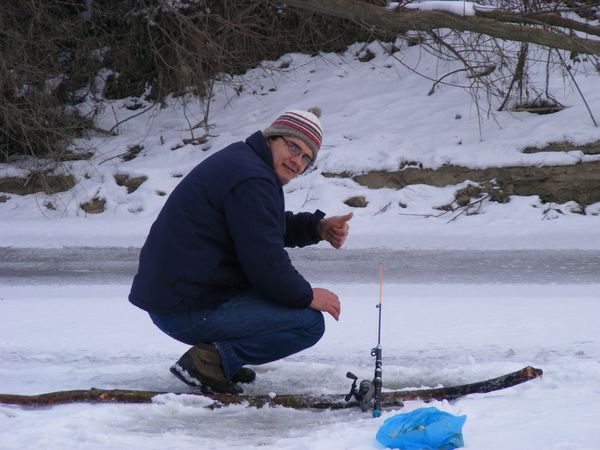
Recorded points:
(90, 265)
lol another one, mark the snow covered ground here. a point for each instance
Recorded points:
(376, 115)
(75, 337)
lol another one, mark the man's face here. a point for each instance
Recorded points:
(287, 166)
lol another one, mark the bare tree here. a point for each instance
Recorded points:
(495, 46)
(537, 27)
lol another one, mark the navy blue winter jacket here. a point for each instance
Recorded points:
(223, 231)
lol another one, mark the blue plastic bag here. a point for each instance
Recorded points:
(422, 429)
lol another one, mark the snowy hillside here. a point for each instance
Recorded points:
(377, 115)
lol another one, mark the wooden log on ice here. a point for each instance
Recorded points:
(389, 399)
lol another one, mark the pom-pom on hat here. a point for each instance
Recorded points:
(304, 125)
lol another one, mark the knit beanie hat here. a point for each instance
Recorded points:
(304, 125)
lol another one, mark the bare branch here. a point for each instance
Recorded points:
(331, 401)
(403, 19)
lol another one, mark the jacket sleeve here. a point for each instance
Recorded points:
(301, 228)
(254, 218)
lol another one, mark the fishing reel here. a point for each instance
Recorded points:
(363, 394)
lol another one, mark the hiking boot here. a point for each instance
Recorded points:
(201, 367)
(244, 375)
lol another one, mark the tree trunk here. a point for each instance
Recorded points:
(334, 401)
(404, 19)
(541, 19)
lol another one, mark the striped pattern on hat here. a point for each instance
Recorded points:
(302, 124)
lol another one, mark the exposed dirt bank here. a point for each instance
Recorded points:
(36, 182)
(579, 182)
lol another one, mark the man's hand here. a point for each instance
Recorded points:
(335, 229)
(326, 301)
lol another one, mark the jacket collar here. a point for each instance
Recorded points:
(258, 143)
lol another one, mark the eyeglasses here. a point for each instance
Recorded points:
(297, 151)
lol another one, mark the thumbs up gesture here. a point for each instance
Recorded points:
(335, 229)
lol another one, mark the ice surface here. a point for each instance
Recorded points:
(76, 337)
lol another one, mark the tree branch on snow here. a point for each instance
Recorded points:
(389, 399)
(500, 25)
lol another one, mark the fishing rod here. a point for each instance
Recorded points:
(376, 352)
(370, 391)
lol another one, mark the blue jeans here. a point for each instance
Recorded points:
(246, 330)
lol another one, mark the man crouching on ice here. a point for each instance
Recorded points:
(214, 273)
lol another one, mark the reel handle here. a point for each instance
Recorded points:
(353, 389)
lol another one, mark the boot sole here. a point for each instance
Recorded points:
(185, 376)
(208, 372)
